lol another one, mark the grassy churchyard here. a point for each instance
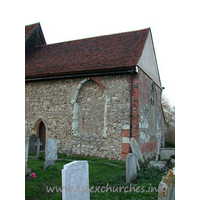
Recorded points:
(107, 179)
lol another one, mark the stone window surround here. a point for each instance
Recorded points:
(152, 89)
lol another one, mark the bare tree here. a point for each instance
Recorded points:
(169, 113)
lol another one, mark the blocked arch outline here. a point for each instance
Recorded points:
(75, 111)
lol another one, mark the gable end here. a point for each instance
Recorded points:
(33, 37)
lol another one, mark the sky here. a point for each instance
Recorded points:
(71, 20)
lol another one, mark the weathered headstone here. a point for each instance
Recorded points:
(28, 170)
(50, 153)
(75, 181)
(158, 136)
(131, 167)
(38, 144)
(166, 153)
(136, 149)
(160, 165)
(32, 141)
(166, 188)
(69, 152)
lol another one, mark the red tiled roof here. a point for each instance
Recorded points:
(104, 53)
(29, 29)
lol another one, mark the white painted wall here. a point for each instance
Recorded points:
(147, 61)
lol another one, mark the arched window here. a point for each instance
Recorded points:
(152, 121)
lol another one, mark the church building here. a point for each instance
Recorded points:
(93, 95)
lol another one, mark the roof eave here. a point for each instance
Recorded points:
(128, 70)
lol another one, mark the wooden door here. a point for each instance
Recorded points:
(42, 136)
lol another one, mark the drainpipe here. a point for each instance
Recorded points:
(131, 101)
(133, 71)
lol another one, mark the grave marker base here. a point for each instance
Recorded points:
(48, 164)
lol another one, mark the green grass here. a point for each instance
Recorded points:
(100, 174)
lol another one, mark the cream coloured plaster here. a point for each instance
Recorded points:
(147, 61)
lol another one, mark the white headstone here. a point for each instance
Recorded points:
(50, 153)
(131, 167)
(136, 149)
(75, 181)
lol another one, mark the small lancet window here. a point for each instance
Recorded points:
(152, 107)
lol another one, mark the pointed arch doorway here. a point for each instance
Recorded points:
(42, 135)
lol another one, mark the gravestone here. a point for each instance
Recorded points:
(69, 152)
(159, 136)
(75, 181)
(166, 188)
(136, 149)
(38, 144)
(131, 167)
(160, 165)
(26, 153)
(50, 153)
(166, 153)
(28, 170)
(32, 141)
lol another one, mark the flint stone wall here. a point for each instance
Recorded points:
(103, 112)
(92, 115)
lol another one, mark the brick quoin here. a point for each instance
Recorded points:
(135, 112)
(135, 109)
(125, 133)
(125, 150)
(125, 146)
